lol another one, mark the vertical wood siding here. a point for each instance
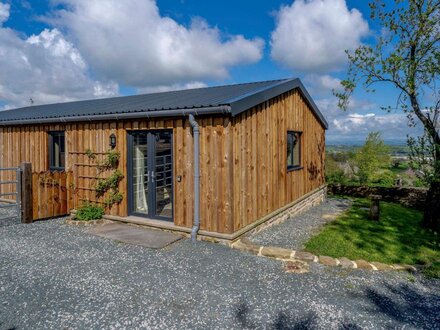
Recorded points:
(30, 144)
(261, 182)
(242, 160)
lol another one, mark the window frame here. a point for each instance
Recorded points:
(51, 135)
(299, 166)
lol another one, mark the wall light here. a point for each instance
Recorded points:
(113, 141)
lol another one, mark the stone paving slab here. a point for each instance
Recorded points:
(150, 238)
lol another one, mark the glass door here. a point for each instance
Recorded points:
(162, 176)
(150, 179)
(140, 175)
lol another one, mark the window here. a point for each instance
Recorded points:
(57, 150)
(293, 150)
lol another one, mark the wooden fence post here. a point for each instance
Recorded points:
(26, 193)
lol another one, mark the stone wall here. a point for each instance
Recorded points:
(410, 197)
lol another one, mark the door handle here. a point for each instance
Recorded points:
(152, 176)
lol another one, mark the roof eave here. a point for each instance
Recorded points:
(222, 109)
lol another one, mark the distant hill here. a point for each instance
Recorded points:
(336, 142)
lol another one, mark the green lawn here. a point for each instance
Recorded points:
(397, 238)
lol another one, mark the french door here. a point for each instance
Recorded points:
(150, 176)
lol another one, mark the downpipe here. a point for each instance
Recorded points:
(196, 134)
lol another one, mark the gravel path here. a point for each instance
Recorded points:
(8, 215)
(296, 231)
(54, 276)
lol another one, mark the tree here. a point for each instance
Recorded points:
(407, 56)
(333, 172)
(371, 157)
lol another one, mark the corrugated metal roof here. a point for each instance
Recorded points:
(239, 97)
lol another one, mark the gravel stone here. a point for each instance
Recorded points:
(328, 261)
(381, 266)
(345, 263)
(296, 231)
(243, 246)
(8, 215)
(276, 252)
(56, 276)
(362, 264)
(305, 256)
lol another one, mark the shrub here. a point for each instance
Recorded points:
(333, 172)
(88, 211)
(384, 178)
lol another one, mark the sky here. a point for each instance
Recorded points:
(64, 50)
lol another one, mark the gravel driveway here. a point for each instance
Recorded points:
(8, 215)
(58, 277)
(296, 231)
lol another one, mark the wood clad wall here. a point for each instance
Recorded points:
(242, 160)
(262, 183)
(30, 144)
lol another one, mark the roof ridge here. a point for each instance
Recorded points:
(262, 89)
(212, 87)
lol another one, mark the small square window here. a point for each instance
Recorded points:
(293, 150)
(57, 151)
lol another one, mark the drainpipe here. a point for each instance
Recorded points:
(196, 223)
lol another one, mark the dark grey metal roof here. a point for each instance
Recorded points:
(232, 99)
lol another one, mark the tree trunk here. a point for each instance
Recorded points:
(431, 218)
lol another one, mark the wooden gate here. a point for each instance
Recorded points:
(51, 195)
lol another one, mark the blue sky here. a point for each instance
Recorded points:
(62, 50)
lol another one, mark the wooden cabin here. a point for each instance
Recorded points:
(262, 149)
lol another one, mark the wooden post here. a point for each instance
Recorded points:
(375, 207)
(26, 192)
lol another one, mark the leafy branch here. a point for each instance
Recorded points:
(107, 187)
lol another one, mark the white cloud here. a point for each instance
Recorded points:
(362, 117)
(4, 12)
(329, 107)
(312, 35)
(129, 41)
(321, 85)
(45, 67)
(173, 87)
(390, 125)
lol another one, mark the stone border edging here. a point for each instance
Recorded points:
(84, 223)
(245, 244)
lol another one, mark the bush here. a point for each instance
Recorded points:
(333, 172)
(88, 211)
(385, 178)
(336, 177)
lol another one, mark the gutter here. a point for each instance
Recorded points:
(222, 109)
(196, 223)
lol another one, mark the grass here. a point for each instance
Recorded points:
(397, 238)
(433, 270)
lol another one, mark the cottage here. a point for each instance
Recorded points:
(217, 161)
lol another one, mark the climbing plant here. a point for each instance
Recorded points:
(107, 187)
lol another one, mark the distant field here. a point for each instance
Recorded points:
(395, 150)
